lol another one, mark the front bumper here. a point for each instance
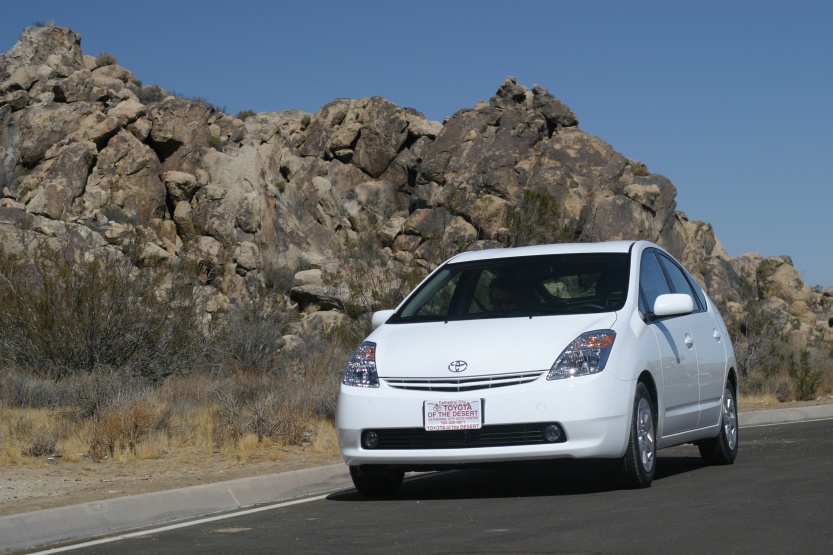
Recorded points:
(593, 411)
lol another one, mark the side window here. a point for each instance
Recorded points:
(652, 282)
(701, 296)
(678, 279)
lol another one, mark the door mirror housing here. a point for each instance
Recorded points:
(380, 317)
(673, 304)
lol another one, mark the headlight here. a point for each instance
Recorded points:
(361, 369)
(586, 355)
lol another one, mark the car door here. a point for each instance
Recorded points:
(679, 404)
(708, 343)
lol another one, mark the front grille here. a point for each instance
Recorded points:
(463, 384)
(488, 436)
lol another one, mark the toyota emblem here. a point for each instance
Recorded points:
(458, 366)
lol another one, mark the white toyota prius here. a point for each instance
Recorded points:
(597, 350)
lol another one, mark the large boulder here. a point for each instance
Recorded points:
(27, 135)
(180, 132)
(65, 180)
(49, 51)
(126, 183)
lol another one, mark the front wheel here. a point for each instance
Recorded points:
(376, 480)
(723, 449)
(638, 466)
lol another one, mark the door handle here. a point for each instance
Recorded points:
(689, 341)
(717, 336)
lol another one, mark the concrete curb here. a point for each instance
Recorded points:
(87, 520)
(777, 416)
(28, 531)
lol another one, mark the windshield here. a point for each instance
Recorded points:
(521, 286)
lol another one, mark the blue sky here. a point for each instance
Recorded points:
(731, 100)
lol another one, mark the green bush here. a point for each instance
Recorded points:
(60, 316)
(250, 337)
(105, 59)
(535, 221)
(246, 114)
(368, 280)
(805, 378)
(149, 94)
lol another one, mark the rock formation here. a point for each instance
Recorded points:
(88, 154)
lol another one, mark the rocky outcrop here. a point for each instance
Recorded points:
(88, 155)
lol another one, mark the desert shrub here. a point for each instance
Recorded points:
(105, 59)
(368, 279)
(763, 272)
(805, 377)
(759, 336)
(761, 346)
(535, 221)
(24, 389)
(59, 316)
(43, 442)
(34, 433)
(243, 114)
(319, 367)
(121, 428)
(115, 213)
(149, 94)
(80, 396)
(250, 337)
(105, 389)
(773, 385)
(260, 404)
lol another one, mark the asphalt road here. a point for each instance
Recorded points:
(777, 498)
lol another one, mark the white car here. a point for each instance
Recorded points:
(597, 350)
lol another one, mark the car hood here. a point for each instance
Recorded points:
(489, 346)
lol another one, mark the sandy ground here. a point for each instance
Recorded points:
(52, 482)
(48, 482)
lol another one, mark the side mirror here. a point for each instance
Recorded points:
(673, 304)
(380, 317)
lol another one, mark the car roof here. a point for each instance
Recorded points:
(539, 250)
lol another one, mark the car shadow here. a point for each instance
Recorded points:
(532, 479)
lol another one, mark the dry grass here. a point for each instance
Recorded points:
(750, 399)
(243, 417)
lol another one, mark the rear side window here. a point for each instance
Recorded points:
(679, 281)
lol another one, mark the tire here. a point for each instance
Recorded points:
(376, 480)
(723, 449)
(639, 464)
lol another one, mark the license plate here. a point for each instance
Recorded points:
(453, 415)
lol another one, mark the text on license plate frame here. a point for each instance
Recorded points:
(464, 414)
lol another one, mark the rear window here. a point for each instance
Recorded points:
(521, 286)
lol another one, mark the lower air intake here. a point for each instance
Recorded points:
(487, 436)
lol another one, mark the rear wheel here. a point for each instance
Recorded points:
(376, 480)
(638, 466)
(723, 449)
